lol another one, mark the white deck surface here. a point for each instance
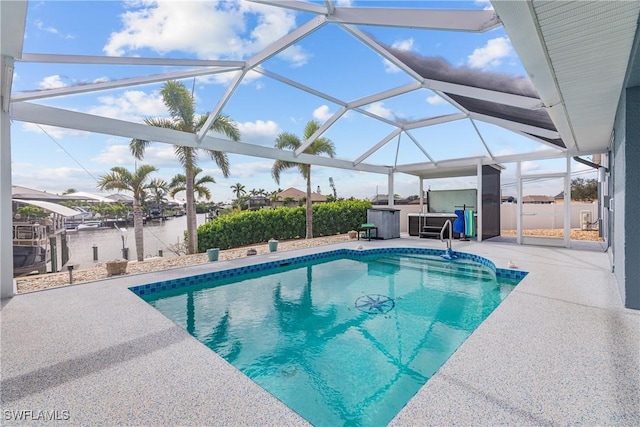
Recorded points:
(559, 350)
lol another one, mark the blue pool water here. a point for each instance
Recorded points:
(342, 338)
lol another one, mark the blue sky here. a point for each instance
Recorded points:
(330, 60)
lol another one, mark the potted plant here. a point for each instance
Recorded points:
(273, 245)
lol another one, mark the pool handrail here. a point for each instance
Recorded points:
(447, 222)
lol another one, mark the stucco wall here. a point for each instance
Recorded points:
(631, 199)
(626, 211)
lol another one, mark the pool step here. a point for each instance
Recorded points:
(430, 231)
(456, 268)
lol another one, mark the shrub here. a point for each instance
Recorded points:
(249, 227)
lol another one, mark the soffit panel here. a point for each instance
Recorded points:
(588, 44)
(13, 16)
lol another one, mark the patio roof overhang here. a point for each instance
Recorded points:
(569, 111)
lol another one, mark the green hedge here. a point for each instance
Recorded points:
(249, 227)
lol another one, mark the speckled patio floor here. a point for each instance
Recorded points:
(559, 350)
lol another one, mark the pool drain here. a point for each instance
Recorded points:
(288, 371)
(375, 304)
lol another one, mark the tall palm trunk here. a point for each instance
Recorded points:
(309, 208)
(138, 231)
(192, 231)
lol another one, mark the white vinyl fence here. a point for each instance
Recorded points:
(548, 216)
(508, 212)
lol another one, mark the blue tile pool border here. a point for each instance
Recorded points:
(151, 288)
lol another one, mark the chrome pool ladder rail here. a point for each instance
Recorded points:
(444, 227)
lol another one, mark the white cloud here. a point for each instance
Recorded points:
(57, 179)
(261, 169)
(216, 29)
(227, 77)
(435, 100)
(132, 105)
(116, 155)
(529, 166)
(406, 45)
(491, 54)
(344, 3)
(389, 67)
(378, 109)
(506, 151)
(296, 55)
(156, 154)
(54, 132)
(52, 82)
(52, 30)
(322, 113)
(259, 132)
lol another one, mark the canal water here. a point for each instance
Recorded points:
(158, 236)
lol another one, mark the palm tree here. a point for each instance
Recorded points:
(288, 200)
(159, 189)
(136, 182)
(274, 197)
(239, 190)
(181, 105)
(179, 183)
(319, 146)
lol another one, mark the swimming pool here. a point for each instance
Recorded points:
(342, 337)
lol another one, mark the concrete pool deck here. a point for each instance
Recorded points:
(559, 350)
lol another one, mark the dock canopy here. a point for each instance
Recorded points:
(53, 207)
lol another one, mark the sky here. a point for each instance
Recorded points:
(330, 60)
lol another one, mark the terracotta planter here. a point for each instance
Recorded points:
(117, 267)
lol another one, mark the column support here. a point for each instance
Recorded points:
(479, 203)
(391, 189)
(519, 204)
(567, 205)
(7, 283)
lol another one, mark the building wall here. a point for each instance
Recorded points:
(625, 174)
(631, 207)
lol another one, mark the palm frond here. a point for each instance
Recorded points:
(122, 179)
(202, 191)
(279, 166)
(179, 102)
(159, 184)
(322, 146)
(187, 156)
(221, 124)
(178, 179)
(176, 189)
(160, 122)
(138, 147)
(206, 179)
(310, 128)
(221, 160)
(287, 141)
